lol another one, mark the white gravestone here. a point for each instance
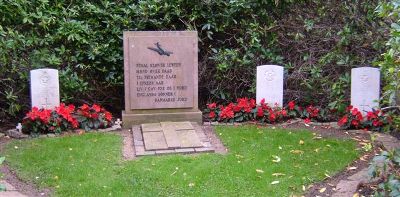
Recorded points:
(270, 84)
(365, 87)
(45, 92)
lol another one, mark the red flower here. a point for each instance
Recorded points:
(108, 116)
(211, 115)
(354, 111)
(349, 108)
(291, 105)
(227, 113)
(307, 121)
(212, 105)
(84, 107)
(272, 116)
(252, 103)
(342, 121)
(377, 123)
(355, 123)
(96, 108)
(262, 101)
(284, 113)
(260, 112)
(33, 113)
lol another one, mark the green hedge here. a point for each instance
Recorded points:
(317, 41)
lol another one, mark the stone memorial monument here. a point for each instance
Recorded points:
(270, 85)
(365, 88)
(161, 77)
(45, 92)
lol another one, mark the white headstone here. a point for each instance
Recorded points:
(45, 92)
(270, 84)
(365, 87)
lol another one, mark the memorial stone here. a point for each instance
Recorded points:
(365, 87)
(270, 85)
(45, 91)
(161, 77)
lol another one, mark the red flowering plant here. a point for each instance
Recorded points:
(293, 110)
(376, 120)
(353, 119)
(93, 117)
(43, 121)
(313, 113)
(271, 115)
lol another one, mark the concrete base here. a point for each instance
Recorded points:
(130, 119)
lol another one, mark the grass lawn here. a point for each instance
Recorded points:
(92, 165)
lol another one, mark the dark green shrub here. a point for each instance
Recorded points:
(83, 39)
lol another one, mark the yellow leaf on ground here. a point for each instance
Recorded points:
(297, 151)
(322, 190)
(301, 142)
(274, 182)
(277, 159)
(278, 174)
(259, 171)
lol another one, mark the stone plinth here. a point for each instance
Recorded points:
(161, 77)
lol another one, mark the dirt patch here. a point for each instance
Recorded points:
(215, 141)
(128, 151)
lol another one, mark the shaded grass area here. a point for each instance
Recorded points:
(92, 165)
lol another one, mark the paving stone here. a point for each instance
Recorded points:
(138, 142)
(137, 134)
(345, 188)
(8, 186)
(189, 138)
(139, 149)
(159, 152)
(209, 149)
(184, 150)
(361, 176)
(151, 127)
(11, 194)
(183, 125)
(207, 144)
(171, 136)
(147, 153)
(388, 141)
(154, 141)
(201, 135)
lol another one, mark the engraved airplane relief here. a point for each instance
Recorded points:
(160, 50)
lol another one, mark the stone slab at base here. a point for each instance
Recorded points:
(130, 119)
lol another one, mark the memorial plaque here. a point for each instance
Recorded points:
(365, 88)
(45, 91)
(270, 85)
(161, 76)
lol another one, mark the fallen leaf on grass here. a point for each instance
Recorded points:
(301, 142)
(277, 159)
(278, 174)
(191, 184)
(322, 190)
(274, 182)
(297, 151)
(259, 171)
(327, 175)
(304, 188)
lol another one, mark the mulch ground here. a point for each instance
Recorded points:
(329, 183)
